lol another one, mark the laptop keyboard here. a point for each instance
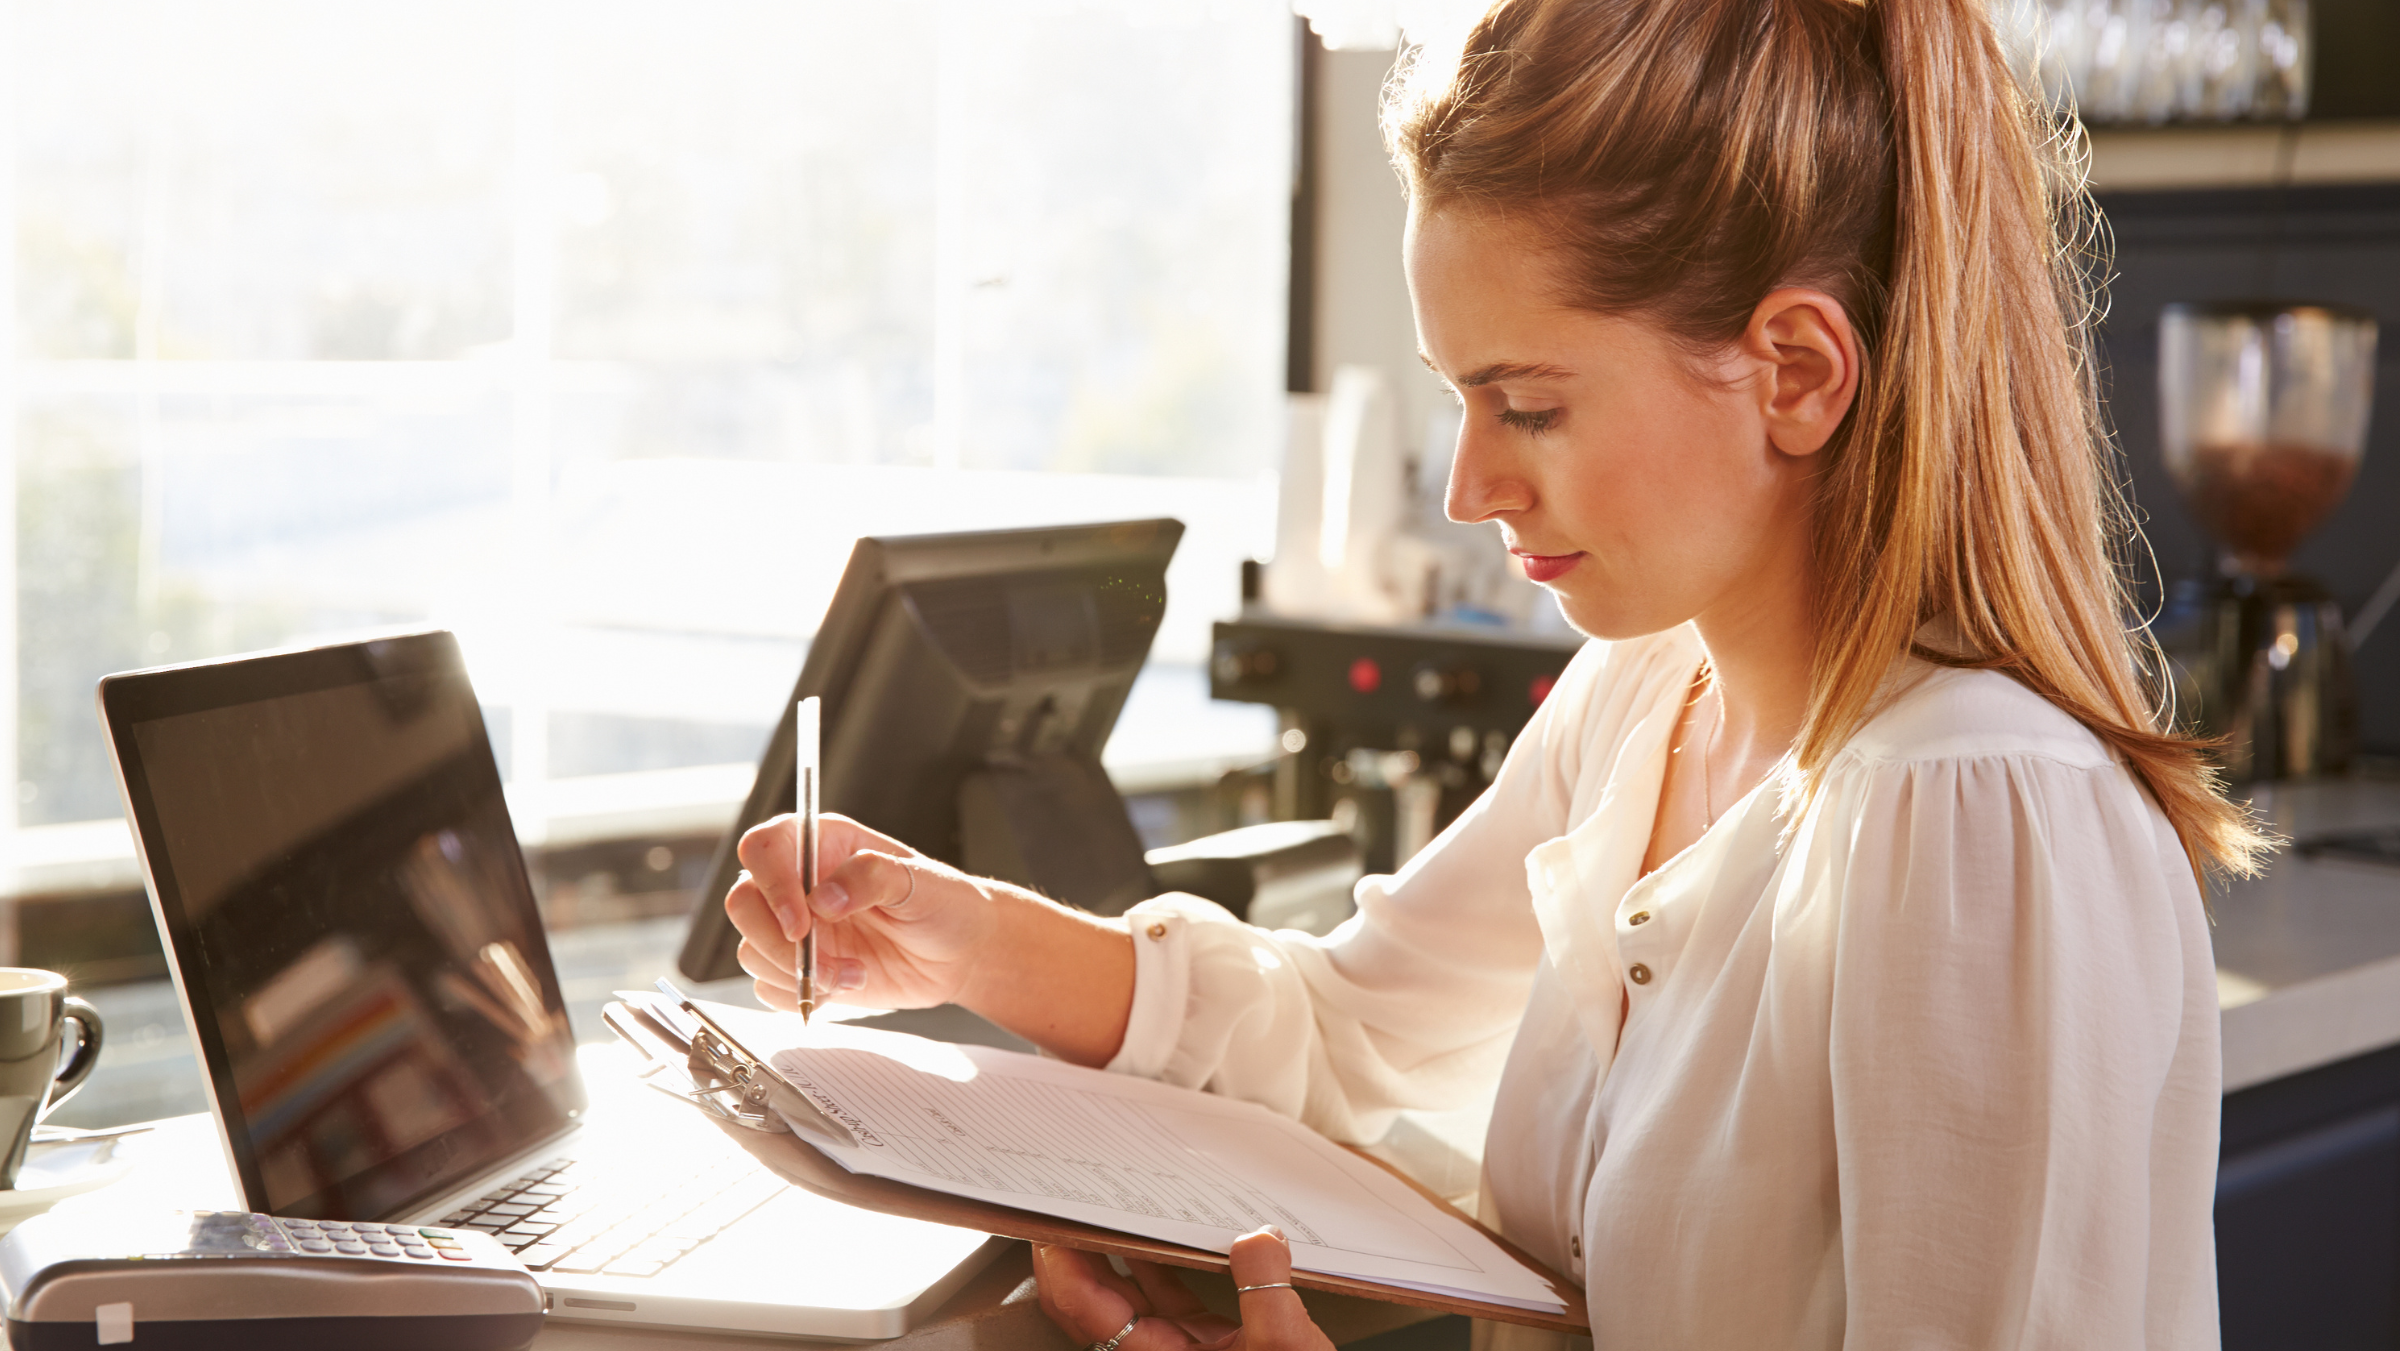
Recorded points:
(576, 1218)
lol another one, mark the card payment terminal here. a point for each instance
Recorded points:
(199, 1280)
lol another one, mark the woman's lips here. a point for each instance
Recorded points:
(1547, 567)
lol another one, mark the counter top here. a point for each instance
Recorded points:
(2308, 955)
(180, 1165)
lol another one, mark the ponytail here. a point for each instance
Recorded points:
(1689, 156)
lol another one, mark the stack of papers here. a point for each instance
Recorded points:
(1128, 1154)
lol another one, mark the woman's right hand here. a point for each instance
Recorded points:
(898, 930)
(895, 929)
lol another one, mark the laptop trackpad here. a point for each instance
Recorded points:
(809, 1251)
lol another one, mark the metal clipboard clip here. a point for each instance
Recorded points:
(700, 1065)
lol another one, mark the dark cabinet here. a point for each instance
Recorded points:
(2308, 1210)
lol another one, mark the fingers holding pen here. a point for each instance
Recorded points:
(770, 854)
(755, 918)
(876, 872)
(868, 880)
(778, 987)
(770, 968)
(889, 924)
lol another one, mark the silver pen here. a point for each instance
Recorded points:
(804, 786)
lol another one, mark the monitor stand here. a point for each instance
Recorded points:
(1053, 823)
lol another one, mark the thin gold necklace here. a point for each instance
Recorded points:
(1708, 753)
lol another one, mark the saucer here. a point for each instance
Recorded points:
(57, 1170)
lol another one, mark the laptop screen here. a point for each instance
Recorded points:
(349, 920)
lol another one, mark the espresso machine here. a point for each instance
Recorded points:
(2263, 419)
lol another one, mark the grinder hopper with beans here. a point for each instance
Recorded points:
(2263, 419)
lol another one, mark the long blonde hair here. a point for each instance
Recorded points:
(1686, 157)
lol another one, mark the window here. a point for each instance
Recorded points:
(597, 331)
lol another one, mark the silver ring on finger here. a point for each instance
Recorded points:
(1264, 1285)
(905, 898)
(1122, 1333)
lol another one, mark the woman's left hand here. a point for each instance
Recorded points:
(1155, 1311)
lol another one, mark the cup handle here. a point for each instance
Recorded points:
(87, 1049)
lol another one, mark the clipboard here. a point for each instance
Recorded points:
(705, 1065)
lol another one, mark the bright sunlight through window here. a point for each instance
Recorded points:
(597, 331)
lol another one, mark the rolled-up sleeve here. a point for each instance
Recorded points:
(1411, 1003)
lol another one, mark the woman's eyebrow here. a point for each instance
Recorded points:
(1506, 370)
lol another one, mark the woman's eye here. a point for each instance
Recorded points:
(1533, 420)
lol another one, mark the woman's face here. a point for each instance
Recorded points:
(1640, 487)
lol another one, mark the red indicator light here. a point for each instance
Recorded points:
(1540, 689)
(1365, 676)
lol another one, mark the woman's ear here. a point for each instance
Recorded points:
(1811, 355)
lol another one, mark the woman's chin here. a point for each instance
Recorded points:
(1608, 618)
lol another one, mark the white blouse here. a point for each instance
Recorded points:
(1937, 1069)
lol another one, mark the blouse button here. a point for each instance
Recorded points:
(1575, 1246)
(1640, 974)
(1157, 931)
(1638, 917)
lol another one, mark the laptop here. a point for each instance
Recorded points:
(354, 937)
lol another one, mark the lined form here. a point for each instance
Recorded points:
(1133, 1155)
(1095, 1150)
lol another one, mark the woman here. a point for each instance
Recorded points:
(1834, 929)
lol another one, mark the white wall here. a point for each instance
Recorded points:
(1361, 294)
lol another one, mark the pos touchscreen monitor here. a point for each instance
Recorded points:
(969, 682)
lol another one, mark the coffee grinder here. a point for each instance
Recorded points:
(2263, 419)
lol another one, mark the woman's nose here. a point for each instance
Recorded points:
(1484, 485)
